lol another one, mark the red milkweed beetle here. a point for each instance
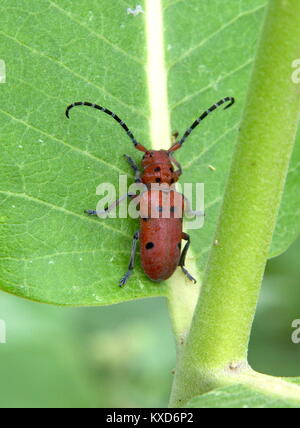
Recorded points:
(160, 238)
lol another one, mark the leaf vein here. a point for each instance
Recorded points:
(207, 149)
(76, 149)
(211, 85)
(63, 210)
(222, 28)
(79, 76)
(94, 33)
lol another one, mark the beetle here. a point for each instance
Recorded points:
(160, 236)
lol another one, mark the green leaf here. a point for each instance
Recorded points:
(240, 397)
(58, 52)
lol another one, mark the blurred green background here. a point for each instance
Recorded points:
(123, 355)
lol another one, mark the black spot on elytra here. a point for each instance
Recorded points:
(158, 180)
(149, 245)
(157, 169)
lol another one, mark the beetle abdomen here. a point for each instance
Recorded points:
(160, 246)
(161, 232)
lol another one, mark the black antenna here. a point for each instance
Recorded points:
(114, 116)
(177, 145)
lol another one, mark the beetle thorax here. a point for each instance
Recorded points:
(158, 168)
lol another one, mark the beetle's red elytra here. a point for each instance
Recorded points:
(160, 238)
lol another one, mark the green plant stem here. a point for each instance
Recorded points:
(220, 331)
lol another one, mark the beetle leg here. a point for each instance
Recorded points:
(111, 207)
(132, 259)
(186, 237)
(135, 168)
